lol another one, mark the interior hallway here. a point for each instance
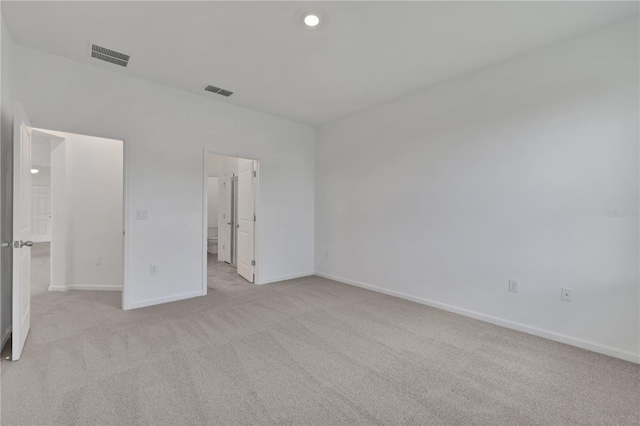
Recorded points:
(304, 351)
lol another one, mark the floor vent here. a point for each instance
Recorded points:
(219, 91)
(109, 55)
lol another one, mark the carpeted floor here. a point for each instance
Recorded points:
(305, 351)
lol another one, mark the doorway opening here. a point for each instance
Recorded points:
(230, 258)
(80, 216)
(77, 186)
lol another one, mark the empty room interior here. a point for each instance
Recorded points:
(320, 213)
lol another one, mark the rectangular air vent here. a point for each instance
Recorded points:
(219, 91)
(109, 55)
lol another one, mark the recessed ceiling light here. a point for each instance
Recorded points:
(311, 20)
(34, 171)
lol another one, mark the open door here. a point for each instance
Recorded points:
(21, 317)
(246, 219)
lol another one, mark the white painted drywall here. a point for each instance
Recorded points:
(165, 130)
(212, 198)
(444, 195)
(6, 180)
(59, 221)
(214, 164)
(40, 149)
(42, 178)
(87, 213)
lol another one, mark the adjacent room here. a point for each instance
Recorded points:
(231, 218)
(76, 212)
(320, 213)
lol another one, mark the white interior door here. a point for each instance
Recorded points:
(224, 220)
(246, 219)
(21, 316)
(40, 213)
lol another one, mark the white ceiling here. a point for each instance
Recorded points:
(362, 54)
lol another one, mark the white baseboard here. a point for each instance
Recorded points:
(284, 278)
(557, 337)
(160, 300)
(86, 287)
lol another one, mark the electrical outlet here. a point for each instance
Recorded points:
(153, 269)
(99, 260)
(566, 294)
(513, 286)
(142, 215)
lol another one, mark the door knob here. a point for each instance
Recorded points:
(238, 226)
(26, 243)
(6, 245)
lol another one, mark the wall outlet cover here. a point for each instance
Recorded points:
(513, 286)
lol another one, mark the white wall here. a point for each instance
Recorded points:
(40, 149)
(6, 180)
(88, 210)
(59, 221)
(214, 164)
(165, 131)
(42, 178)
(212, 198)
(444, 195)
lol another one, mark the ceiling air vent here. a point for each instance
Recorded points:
(109, 55)
(218, 91)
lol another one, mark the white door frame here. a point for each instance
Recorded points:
(126, 242)
(205, 209)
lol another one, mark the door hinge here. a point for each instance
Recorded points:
(255, 174)
(253, 263)
(254, 217)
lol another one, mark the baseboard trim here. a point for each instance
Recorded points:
(160, 300)
(285, 278)
(557, 337)
(86, 287)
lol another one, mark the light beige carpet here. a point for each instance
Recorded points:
(305, 351)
